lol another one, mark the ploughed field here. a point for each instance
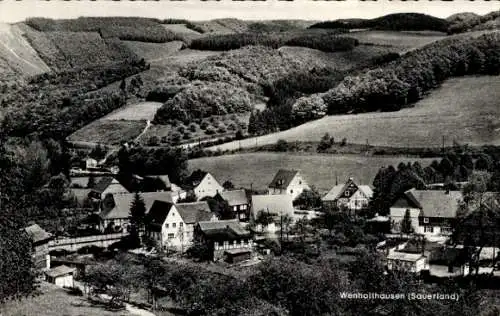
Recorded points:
(258, 169)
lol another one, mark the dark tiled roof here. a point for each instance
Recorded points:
(194, 212)
(103, 184)
(235, 197)
(223, 230)
(157, 214)
(283, 178)
(36, 233)
(123, 202)
(196, 177)
(434, 203)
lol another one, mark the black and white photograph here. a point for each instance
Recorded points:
(249, 158)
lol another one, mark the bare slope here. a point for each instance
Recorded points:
(17, 57)
(463, 109)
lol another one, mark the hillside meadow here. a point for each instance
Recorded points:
(463, 109)
(258, 169)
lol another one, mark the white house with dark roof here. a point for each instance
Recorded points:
(115, 209)
(289, 182)
(432, 212)
(276, 205)
(349, 195)
(238, 201)
(203, 184)
(172, 225)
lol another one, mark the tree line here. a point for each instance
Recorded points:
(393, 22)
(327, 42)
(390, 182)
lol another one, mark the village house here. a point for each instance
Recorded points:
(115, 208)
(275, 206)
(61, 276)
(432, 212)
(107, 185)
(203, 184)
(289, 182)
(40, 243)
(238, 201)
(407, 256)
(226, 240)
(172, 225)
(349, 196)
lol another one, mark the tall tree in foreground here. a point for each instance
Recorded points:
(406, 226)
(137, 218)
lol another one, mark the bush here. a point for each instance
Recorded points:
(181, 129)
(186, 136)
(153, 141)
(210, 131)
(204, 125)
(193, 127)
(221, 130)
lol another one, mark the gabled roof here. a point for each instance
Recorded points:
(274, 204)
(435, 203)
(404, 256)
(157, 214)
(235, 197)
(283, 178)
(223, 230)
(104, 183)
(59, 271)
(337, 191)
(195, 178)
(123, 202)
(194, 212)
(36, 233)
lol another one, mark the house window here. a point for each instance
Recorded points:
(300, 182)
(428, 229)
(166, 225)
(426, 220)
(181, 224)
(243, 207)
(171, 236)
(174, 225)
(291, 191)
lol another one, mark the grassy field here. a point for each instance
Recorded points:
(17, 57)
(135, 112)
(360, 55)
(152, 51)
(109, 132)
(319, 170)
(55, 301)
(397, 39)
(463, 109)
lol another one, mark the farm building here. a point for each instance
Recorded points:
(350, 196)
(238, 201)
(203, 184)
(40, 242)
(61, 276)
(226, 239)
(289, 182)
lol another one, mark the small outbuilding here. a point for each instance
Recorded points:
(61, 276)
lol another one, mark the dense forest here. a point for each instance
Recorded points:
(56, 104)
(328, 42)
(393, 22)
(464, 22)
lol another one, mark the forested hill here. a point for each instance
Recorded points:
(395, 22)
